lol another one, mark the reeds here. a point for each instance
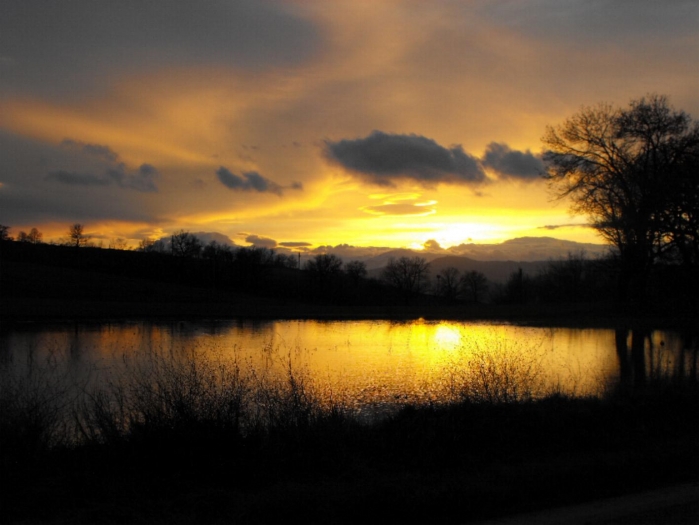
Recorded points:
(501, 373)
(33, 405)
(197, 396)
(198, 438)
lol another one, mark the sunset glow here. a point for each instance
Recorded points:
(387, 124)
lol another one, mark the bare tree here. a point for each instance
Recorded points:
(5, 233)
(33, 237)
(447, 284)
(634, 172)
(286, 260)
(185, 244)
(474, 286)
(118, 244)
(146, 245)
(407, 274)
(324, 272)
(77, 236)
(324, 266)
(355, 270)
(215, 251)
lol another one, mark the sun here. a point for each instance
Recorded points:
(448, 235)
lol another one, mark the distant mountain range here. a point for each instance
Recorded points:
(496, 261)
(520, 250)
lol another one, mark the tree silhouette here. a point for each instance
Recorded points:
(634, 173)
(324, 264)
(355, 270)
(474, 286)
(33, 237)
(517, 288)
(118, 244)
(185, 244)
(408, 274)
(217, 252)
(77, 236)
(5, 233)
(447, 284)
(146, 245)
(324, 272)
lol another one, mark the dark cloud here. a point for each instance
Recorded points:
(141, 179)
(432, 246)
(588, 23)
(77, 179)
(78, 188)
(509, 163)
(295, 244)
(380, 158)
(557, 226)
(261, 242)
(96, 150)
(252, 181)
(64, 47)
(400, 208)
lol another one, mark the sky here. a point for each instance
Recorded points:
(300, 124)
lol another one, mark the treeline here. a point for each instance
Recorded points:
(183, 259)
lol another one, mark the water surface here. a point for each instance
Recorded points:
(369, 363)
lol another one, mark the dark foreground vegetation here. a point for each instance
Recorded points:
(185, 441)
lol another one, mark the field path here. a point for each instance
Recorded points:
(678, 504)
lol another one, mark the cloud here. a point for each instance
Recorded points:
(395, 208)
(252, 181)
(512, 164)
(432, 246)
(295, 244)
(45, 184)
(141, 179)
(557, 226)
(77, 179)
(96, 150)
(261, 242)
(401, 204)
(381, 158)
(84, 42)
(567, 22)
(349, 252)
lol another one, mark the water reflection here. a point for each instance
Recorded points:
(644, 356)
(369, 363)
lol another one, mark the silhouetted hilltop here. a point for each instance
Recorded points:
(529, 249)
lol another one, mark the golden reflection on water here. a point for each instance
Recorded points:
(361, 362)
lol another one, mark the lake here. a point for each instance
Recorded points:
(368, 365)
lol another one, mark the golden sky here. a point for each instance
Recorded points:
(370, 123)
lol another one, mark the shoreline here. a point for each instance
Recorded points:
(45, 310)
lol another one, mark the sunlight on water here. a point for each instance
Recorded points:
(366, 363)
